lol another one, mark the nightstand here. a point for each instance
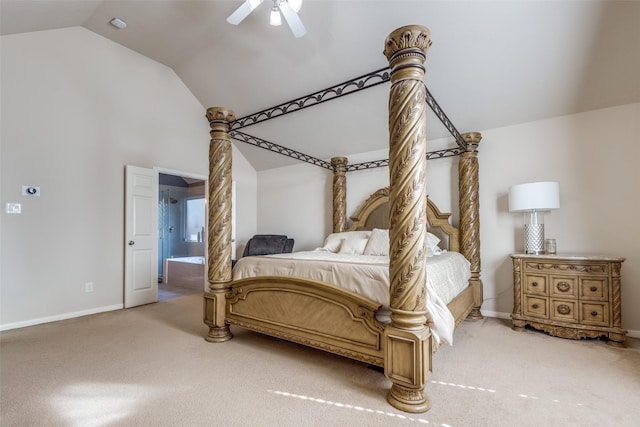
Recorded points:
(569, 296)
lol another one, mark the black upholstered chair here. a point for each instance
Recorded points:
(268, 244)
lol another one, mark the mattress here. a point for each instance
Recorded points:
(448, 274)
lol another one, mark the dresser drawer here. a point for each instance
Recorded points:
(564, 286)
(564, 310)
(562, 266)
(534, 284)
(594, 313)
(536, 306)
(595, 288)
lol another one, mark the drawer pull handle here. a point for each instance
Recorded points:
(593, 288)
(564, 309)
(534, 284)
(594, 313)
(535, 305)
(563, 286)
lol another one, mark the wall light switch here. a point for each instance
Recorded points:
(30, 190)
(14, 208)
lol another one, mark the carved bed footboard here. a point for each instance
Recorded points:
(308, 312)
(318, 315)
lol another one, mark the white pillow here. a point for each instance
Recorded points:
(353, 246)
(333, 242)
(378, 243)
(332, 245)
(432, 245)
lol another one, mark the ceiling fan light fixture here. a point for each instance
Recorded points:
(295, 5)
(275, 19)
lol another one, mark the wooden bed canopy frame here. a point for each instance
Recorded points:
(331, 318)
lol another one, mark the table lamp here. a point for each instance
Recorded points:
(534, 199)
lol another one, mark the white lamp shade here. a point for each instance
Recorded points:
(534, 196)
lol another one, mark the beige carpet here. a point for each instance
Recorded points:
(150, 366)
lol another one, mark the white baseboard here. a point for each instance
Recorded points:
(57, 317)
(32, 322)
(499, 315)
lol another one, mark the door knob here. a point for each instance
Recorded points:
(131, 243)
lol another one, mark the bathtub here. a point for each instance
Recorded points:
(187, 272)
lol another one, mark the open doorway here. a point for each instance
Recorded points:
(181, 235)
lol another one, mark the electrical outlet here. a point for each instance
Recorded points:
(88, 287)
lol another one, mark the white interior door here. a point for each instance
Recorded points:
(141, 236)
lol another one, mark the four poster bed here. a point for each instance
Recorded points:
(332, 316)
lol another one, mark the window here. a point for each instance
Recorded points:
(194, 224)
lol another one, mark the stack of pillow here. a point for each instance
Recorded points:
(374, 242)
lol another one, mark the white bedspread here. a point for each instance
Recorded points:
(447, 275)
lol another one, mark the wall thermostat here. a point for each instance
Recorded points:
(30, 190)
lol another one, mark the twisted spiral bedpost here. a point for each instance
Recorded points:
(408, 351)
(469, 189)
(219, 225)
(339, 194)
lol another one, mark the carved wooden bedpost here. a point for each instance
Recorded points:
(219, 227)
(408, 349)
(339, 194)
(468, 182)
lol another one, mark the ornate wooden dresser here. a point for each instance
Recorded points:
(569, 296)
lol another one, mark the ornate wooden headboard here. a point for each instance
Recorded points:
(374, 213)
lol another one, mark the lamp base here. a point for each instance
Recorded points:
(534, 239)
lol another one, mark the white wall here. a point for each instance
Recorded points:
(76, 108)
(293, 201)
(590, 154)
(245, 178)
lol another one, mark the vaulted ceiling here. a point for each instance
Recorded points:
(492, 63)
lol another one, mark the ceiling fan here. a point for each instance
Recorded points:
(289, 9)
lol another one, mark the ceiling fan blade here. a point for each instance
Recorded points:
(292, 18)
(243, 11)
